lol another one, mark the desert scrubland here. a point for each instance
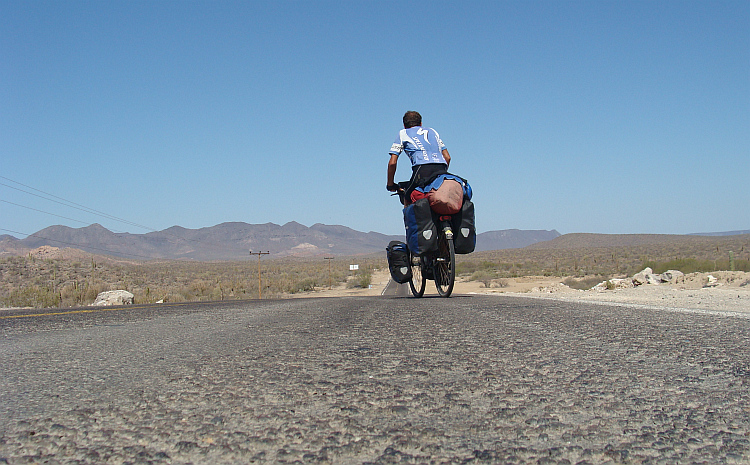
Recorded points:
(53, 277)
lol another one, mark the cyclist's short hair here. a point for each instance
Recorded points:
(412, 118)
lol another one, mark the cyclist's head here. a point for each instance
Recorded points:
(411, 119)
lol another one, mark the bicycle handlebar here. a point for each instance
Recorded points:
(401, 188)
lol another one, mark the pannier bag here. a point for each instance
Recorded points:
(447, 199)
(398, 261)
(421, 231)
(464, 229)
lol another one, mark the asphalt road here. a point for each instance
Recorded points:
(470, 379)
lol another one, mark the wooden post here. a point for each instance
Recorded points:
(260, 295)
(330, 285)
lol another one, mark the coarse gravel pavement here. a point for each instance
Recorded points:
(470, 379)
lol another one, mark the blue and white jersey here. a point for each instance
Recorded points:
(423, 145)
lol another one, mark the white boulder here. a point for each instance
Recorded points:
(646, 276)
(113, 298)
(711, 281)
(671, 275)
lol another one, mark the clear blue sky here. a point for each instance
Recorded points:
(580, 116)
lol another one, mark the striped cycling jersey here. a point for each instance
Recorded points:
(422, 145)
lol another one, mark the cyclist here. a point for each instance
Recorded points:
(427, 153)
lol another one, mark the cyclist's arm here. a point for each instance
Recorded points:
(392, 163)
(447, 157)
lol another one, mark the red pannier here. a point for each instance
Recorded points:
(445, 200)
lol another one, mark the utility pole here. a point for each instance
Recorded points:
(259, 281)
(330, 286)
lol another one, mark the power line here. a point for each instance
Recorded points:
(85, 209)
(42, 211)
(70, 204)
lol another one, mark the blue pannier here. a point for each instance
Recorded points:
(421, 231)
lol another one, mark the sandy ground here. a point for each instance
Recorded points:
(729, 293)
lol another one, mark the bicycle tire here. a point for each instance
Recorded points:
(418, 281)
(445, 267)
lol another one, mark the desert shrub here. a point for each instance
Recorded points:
(465, 267)
(148, 295)
(742, 265)
(217, 293)
(33, 296)
(174, 297)
(361, 280)
(484, 276)
(305, 285)
(81, 293)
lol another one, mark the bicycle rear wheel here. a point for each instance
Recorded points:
(418, 280)
(445, 266)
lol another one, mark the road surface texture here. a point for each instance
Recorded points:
(470, 379)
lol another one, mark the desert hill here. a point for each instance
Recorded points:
(592, 241)
(233, 241)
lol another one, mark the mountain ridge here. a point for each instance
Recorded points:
(234, 241)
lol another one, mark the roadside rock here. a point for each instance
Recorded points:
(614, 284)
(646, 276)
(671, 276)
(119, 297)
(560, 287)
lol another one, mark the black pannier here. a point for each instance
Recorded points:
(399, 262)
(464, 229)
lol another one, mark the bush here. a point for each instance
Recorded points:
(465, 267)
(483, 276)
(33, 296)
(306, 285)
(361, 280)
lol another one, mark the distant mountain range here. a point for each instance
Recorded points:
(726, 233)
(233, 241)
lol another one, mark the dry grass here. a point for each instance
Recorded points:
(31, 282)
(580, 255)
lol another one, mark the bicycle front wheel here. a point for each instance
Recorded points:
(418, 280)
(445, 267)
